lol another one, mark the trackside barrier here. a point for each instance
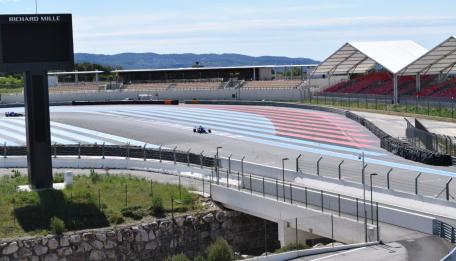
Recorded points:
(444, 230)
(309, 252)
(126, 151)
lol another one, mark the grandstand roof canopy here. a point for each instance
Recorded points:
(75, 72)
(214, 68)
(359, 57)
(441, 59)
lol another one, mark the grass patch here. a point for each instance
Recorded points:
(95, 200)
(418, 108)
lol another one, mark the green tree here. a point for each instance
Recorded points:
(178, 257)
(220, 250)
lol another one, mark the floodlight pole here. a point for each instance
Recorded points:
(36, 97)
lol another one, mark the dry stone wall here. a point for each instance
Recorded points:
(153, 241)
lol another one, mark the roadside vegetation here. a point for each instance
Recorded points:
(426, 110)
(94, 200)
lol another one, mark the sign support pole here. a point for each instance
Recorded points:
(36, 97)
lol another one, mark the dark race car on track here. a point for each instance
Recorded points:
(13, 114)
(201, 130)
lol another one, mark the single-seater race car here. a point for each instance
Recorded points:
(201, 130)
(13, 114)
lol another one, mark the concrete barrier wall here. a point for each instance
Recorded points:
(349, 206)
(309, 220)
(218, 94)
(309, 252)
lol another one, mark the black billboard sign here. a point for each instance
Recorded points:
(36, 42)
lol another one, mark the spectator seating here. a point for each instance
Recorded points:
(91, 87)
(446, 89)
(276, 84)
(162, 86)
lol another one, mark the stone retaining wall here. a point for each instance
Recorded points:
(154, 241)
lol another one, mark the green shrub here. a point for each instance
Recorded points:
(94, 176)
(116, 219)
(157, 209)
(220, 250)
(199, 258)
(178, 257)
(135, 212)
(57, 226)
(291, 247)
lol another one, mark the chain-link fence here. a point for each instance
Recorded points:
(435, 142)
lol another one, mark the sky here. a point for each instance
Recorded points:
(294, 28)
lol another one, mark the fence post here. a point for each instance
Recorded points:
(338, 203)
(188, 157)
(4, 150)
(263, 187)
(79, 150)
(297, 162)
(201, 158)
(305, 194)
(227, 179)
(242, 165)
(332, 230)
(357, 210)
(277, 190)
(291, 193)
(174, 154)
(55, 150)
(239, 183)
(447, 192)
(388, 178)
(126, 195)
(250, 184)
(318, 166)
(378, 227)
(321, 193)
(416, 183)
(340, 170)
(103, 150)
(229, 163)
(144, 152)
(160, 152)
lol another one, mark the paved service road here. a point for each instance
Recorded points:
(263, 135)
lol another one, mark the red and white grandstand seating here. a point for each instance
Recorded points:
(446, 89)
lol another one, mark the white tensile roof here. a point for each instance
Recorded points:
(441, 59)
(359, 57)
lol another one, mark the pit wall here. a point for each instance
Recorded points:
(153, 241)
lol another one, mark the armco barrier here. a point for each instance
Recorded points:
(387, 142)
(114, 102)
(116, 151)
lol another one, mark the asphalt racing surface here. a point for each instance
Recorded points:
(262, 134)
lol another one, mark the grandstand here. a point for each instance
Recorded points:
(80, 87)
(277, 84)
(407, 69)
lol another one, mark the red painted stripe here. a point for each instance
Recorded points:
(319, 129)
(274, 111)
(331, 141)
(338, 137)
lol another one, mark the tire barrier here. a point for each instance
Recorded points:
(387, 142)
(400, 148)
(114, 102)
(117, 151)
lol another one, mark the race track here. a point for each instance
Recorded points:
(263, 135)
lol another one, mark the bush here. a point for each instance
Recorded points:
(220, 250)
(291, 247)
(157, 208)
(94, 176)
(116, 219)
(199, 258)
(178, 257)
(57, 226)
(135, 212)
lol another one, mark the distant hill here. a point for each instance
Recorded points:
(153, 60)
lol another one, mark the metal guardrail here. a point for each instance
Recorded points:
(126, 151)
(444, 230)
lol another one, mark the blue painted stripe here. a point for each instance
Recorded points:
(19, 126)
(235, 129)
